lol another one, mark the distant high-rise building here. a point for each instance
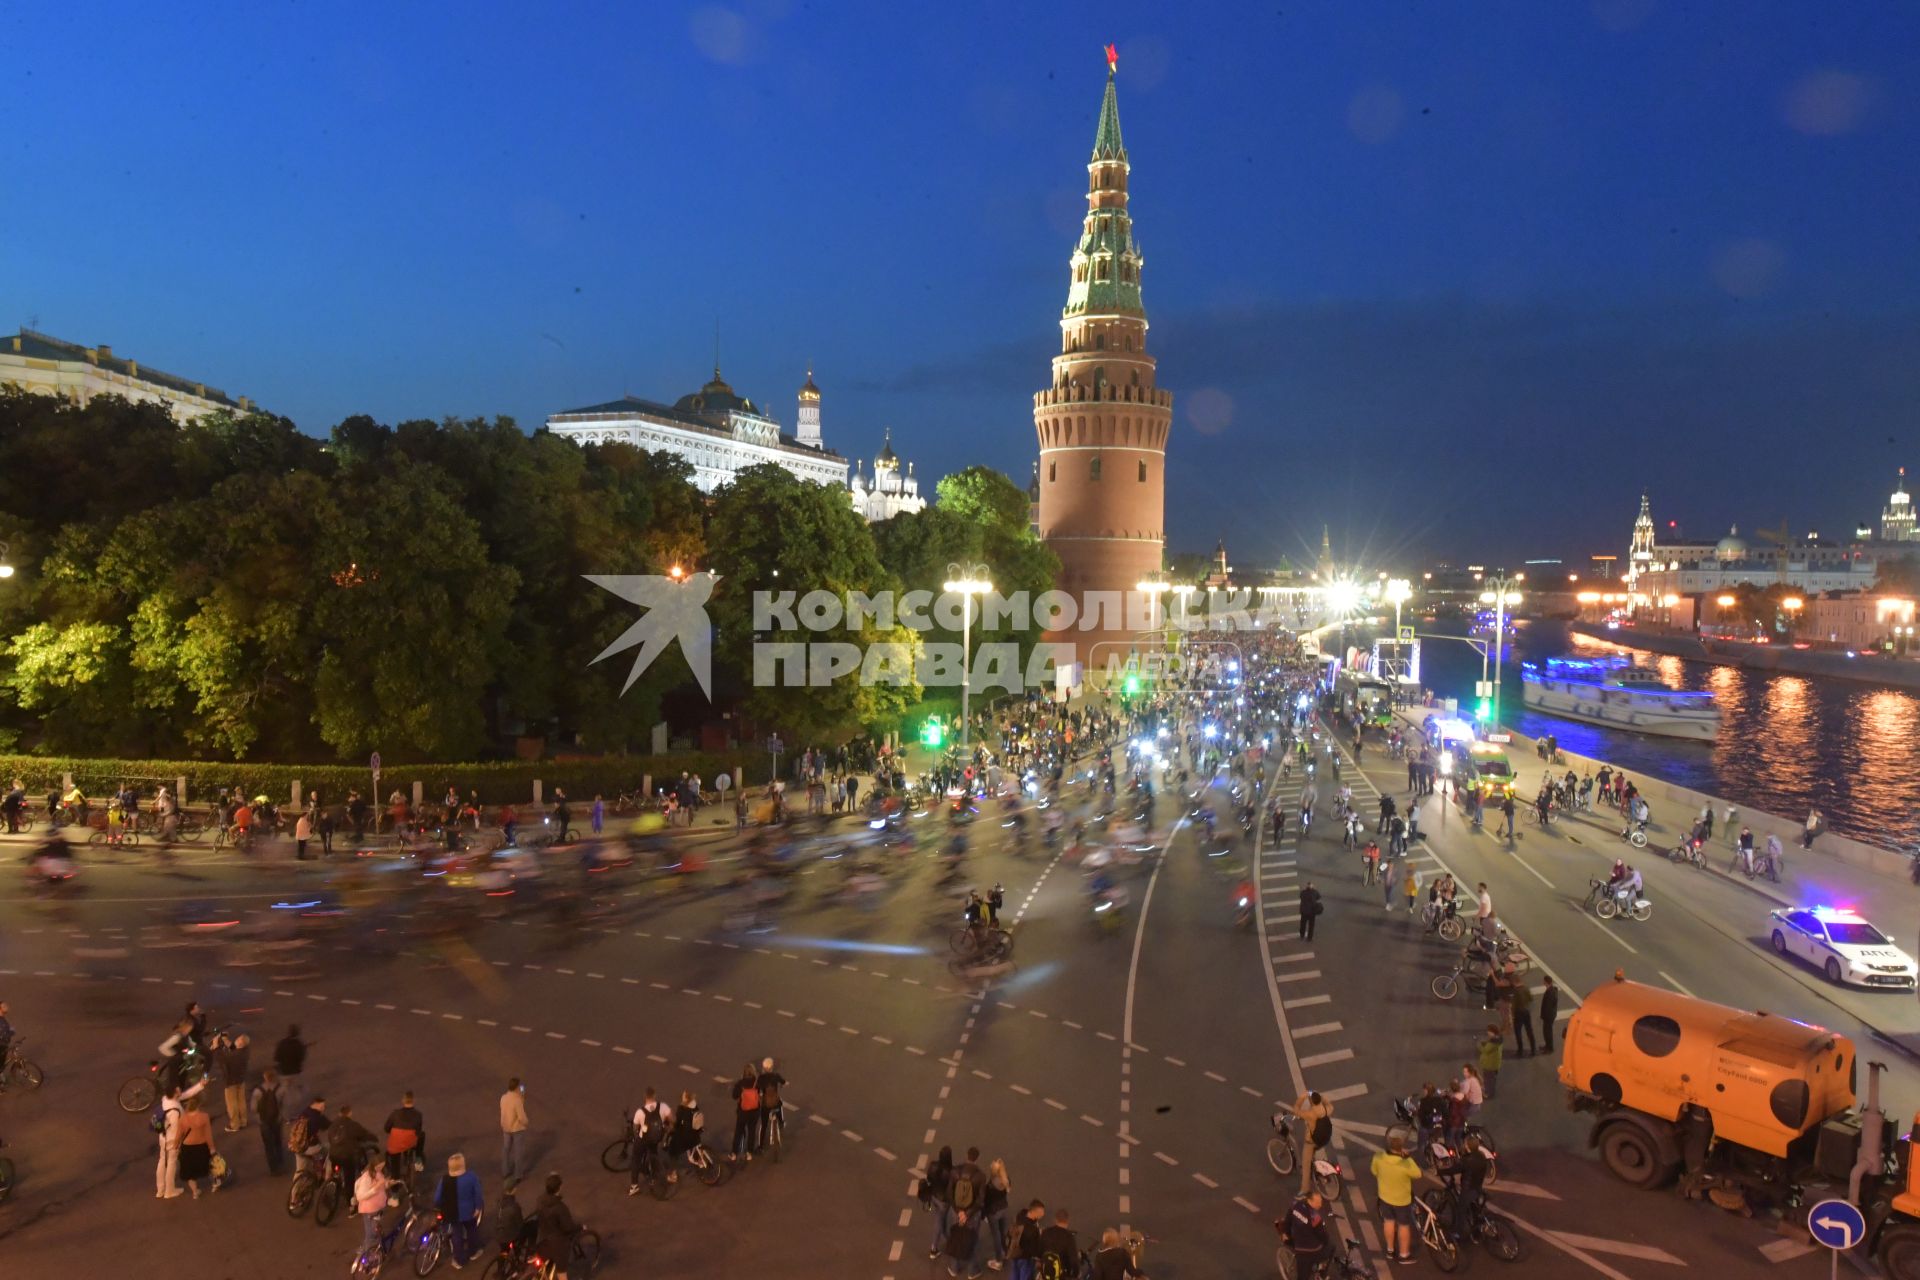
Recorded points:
(1640, 547)
(1103, 422)
(1897, 520)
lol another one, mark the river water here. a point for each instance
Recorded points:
(1786, 742)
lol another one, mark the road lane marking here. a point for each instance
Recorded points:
(1609, 932)
(1620, 1248)
(1677, 984)
(1318, 1029)
(1344, 1092)
(1302, 1002)
(1307, 976)
(1325, 1059)
(1785, 1250)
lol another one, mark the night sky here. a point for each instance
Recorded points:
(1457, 285)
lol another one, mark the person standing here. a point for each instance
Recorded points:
(290, 1059)
(323, 823)
(1310, 908)
(194, 1145)
(993, 1211)
(302, 833)
(1410, 885)
(1521, 1003)
(231, 1057)
(1815, 820)
(1315, 1114)
(1491, 1049)
(1483, 917)
(457, 1197)
(1394, 1173)
(166, 1171)
(1506, 814)
(269, 1108)
(1549, 1012)
(513, 1128)
(406, 1131)
(936, 1196)
(746, 1114)
(370, 1199)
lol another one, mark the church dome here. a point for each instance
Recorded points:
(715, 397)
(808, 391)
(1731, 547)
(887, 459)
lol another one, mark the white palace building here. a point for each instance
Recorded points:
(720, 432)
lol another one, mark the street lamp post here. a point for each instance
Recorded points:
(1154, 587)
(969, 580)
(1500, 593)
(1399, 591)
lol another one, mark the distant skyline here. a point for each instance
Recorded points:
(1458, 288)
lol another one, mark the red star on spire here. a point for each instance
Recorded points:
(1113, 59)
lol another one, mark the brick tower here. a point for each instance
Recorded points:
(1103, 423)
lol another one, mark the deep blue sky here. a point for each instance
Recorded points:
(1454, 278)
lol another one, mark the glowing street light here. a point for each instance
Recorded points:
(969, 580)
(1500, 593)
(1399, 590)
(1155, 587)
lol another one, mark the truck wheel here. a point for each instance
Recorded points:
(1632, 1157)
(1900, 1250)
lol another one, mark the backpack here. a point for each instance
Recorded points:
(157, 1118)
(1322, 1131)
(771, 1094)
(750, 1098)
(266, 1105)
(1050, 1267)
(299, 1135)
(963, 1192)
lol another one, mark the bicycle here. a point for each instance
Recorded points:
(987, 944)
(123, 837)
(1613, 904)
(710, 1171)
(775, 1138)
(583, 1260)
(1339, 1263)
(1439, 1241)
(432, 1243)
(17, 1070)
(368, 1263)
(1494, 1232)
(1282, 1154)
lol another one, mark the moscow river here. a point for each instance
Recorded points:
(1786, 742)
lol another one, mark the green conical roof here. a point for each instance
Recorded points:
(1106, 139)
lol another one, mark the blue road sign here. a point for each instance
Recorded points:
(1836, 1224)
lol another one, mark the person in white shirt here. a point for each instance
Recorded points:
(167, 1170)
(1483, 913)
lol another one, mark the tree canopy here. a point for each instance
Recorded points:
(232, 588)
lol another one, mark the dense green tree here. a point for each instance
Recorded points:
(773, 532)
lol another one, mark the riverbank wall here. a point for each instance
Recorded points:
(1893, 672)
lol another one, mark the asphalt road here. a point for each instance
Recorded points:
(1124, 1074)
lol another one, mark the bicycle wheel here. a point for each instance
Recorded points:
(1281, 1155)
(326, 1202)
(427, 1256)
(138, 1095)
(618, 1157)
(1643, 911)
(498, 1268)
(26, 1073)
(1450, 928)
(1444, 1252)
(1606, 908)
(366, 1263)
(586, 1254)
(97, 838)
(661, 1187)
(1446, 986)
(1500, 1239)
(1283, 1261)
(300, 1195)
(713, 1172)
(961, 941)
(1330, 1183)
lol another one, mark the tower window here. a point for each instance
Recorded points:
(1050, 471)
(1093, 469)
(1099, 342)
(1143, 473)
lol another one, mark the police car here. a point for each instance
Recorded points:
(1837, 941)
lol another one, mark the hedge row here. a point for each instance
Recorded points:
(497, 782)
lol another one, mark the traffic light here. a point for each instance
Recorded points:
(932, 732)
(1132, 684)
(1486, 708)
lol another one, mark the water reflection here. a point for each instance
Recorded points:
(1786, 742)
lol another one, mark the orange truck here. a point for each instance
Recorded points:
(1751, 1102)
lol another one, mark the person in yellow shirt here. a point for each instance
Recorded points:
(1394, 1174)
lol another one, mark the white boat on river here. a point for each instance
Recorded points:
(1620, 696)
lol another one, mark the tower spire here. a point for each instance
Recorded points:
(1106, 137)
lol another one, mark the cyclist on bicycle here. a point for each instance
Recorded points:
(1305, 1231)
(348, 1142)
(370, 1199)
(651, 1121)
(557, 1228)
(512, 1233)
(1466, 1173)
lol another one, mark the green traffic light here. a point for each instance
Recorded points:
(1133, 684)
